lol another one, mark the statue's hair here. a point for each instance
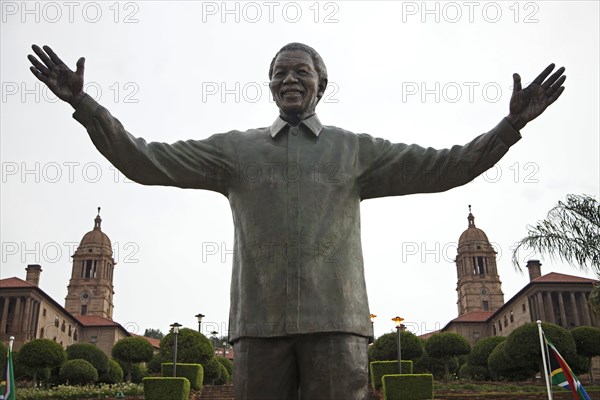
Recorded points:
(316, 59)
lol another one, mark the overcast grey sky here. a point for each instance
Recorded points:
(434, 73)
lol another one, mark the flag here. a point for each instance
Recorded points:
(562, 374)
(9, 385)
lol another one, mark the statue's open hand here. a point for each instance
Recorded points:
(526, 104)
(64, 83)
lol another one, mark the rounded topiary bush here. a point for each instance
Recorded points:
(503, 367)
(482, 349)
(138, 371)
(474, 372)
(90, 353)
(523, 345)
(114, 373)
(131, 351)
(226, 362)
(385, 348)
(212, 371)
(38, 357)
(224, 376)
(154, 365)
(192, 347)
(78, 372)
(3, 350)
(446, 345)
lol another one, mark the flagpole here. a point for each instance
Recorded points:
(539, 323)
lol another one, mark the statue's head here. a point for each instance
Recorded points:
(298, 78)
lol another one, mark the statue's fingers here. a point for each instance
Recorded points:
(550, 91)
(43, 56)
(55, 59)
(556, 95)
(80, 67)
(38, 65)
(38, 74)
(516, 83)
(544, 74)
(548, 82)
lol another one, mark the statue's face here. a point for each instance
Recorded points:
(295, 83)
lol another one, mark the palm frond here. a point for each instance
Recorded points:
(571, 233)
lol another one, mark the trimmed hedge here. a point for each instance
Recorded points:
(89, 352)
(78, 372)
(226, 363)
(408, 387)
(114, 373)
(381, 368)
(474, 372)
(192, 372)
(212, 371)
(224, 376)
(167, 388)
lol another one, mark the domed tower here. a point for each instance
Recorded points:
(478, 287)
(90, 290)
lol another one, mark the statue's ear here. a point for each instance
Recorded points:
(322, 87)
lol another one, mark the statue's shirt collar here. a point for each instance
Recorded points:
(312, 123)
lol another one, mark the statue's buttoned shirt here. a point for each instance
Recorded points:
(295, 194)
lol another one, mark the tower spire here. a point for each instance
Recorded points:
(97, 221)
(471, 218)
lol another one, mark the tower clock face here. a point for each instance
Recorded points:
(84, 297)
(484, 292)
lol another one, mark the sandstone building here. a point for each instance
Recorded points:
(556, 298)
(27, 312)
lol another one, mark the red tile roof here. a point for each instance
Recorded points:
(474, 316)
(91, 320)
(553, 277)
(427, 335)
(153, 341)
(15, 282)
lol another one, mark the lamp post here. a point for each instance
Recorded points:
(373, 316)
(200, 316)
(398, 322)
(214, 339)
(175, 329)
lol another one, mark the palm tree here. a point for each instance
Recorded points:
(571, 231)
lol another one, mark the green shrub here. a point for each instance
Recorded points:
(192, 372)
(167, 388)
(131, 351)
(3, 350)
(39, 356)
(224, 376)
(65, 392)
(435, 366)
(90, 353)
(154, 365)
(381, 368)
(212, 371)
(587, 343)
(385, 348)
(446, 345)
(408, 387)
(114, 373)
(501, 366)
(482, 349)
(523, 345)
(78, 372)
(192, 347)
(474, 372)
(138, 371)
(227, 364)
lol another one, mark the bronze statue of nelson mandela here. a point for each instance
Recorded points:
(299, 306)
